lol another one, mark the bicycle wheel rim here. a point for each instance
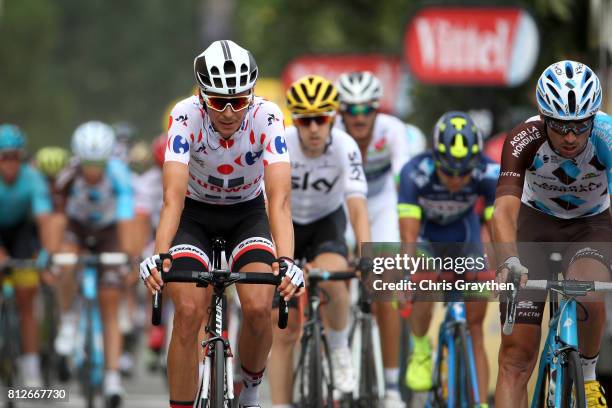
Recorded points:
(572, 389)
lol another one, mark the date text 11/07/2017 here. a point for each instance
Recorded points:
(428, 285)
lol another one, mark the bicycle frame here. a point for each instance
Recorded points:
(90, 328)
(562, 336)
(455, 316)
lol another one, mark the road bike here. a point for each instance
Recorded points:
(216, 388)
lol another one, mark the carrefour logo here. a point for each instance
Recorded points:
(280, 145)
(180, 145)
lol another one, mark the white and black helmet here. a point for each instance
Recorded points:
(225, 68)
(359, 87)
(93, 141)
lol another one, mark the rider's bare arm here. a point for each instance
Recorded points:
(409, 229)
(175, 180)
(504, 223)
(277, 178)
(358, 213)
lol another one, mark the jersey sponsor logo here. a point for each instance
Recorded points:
(183, 119)
(588, 176)
(355, 166)
(581, 188)
(234, 185)
(509, 174)
(190, 251)
(180, 145)
(522, 140)
(272, 118)
(320, 184)
(280, 145)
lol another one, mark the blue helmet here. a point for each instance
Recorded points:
(11, 138)
(457, 143)
(568, 90)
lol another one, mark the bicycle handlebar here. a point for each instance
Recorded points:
(568, 288)
(103, 258)
(318, 275)
(223, 278)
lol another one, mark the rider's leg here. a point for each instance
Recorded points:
(110, 297)
(336, 309)
(475, 313)
(30, 362)
(190, 305)
(518, 355)
(255, 333)
(280, 363)
(418, 373)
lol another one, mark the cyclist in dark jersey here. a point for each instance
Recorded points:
(438, 191)
(554, 186)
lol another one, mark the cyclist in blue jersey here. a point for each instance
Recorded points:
(25, 206)
(438, 190)
(96, 195)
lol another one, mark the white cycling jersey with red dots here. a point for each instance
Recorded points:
(226, 171)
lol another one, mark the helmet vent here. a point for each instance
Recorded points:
(569, 72)
(229, 67)
(571, 101)
(587, 75)
(553, 91)
(218, 82)
(214, 70)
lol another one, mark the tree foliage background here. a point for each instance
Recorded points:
(65, 62)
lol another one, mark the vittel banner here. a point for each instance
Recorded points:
(471, 45)
(385, 67)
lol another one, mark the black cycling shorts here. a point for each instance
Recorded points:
(244, 226)
(539, 235)
(321, 236)
(21, 240)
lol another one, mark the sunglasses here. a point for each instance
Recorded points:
(305, 121)
(93, 163)
(563, 127)
(10, 155)
(219, 103)
(453, 173)
(359, 109)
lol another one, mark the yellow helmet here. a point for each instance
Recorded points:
(312, 94)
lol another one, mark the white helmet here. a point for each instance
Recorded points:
(93, 141)
(359, 87)
(568, 90)
(225, 68)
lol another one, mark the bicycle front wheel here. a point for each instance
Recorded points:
(572, 389)
(217, 379)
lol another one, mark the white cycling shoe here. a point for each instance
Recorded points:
(393, 399)
(342, 366)
(64, 342)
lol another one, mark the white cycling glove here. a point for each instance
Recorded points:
(148, 264)
(293, 273)
(514, 265)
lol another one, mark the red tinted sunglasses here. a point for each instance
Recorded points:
(320, 120)
(219, 103)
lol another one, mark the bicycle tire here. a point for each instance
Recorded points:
(315, 368)
(367, 391)
(572, 379)
(301, 371)
(463, 362)
(543, 394)
(87, 378)
(440, 389)
(9, 324)
(329, 381)
(216, 395)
